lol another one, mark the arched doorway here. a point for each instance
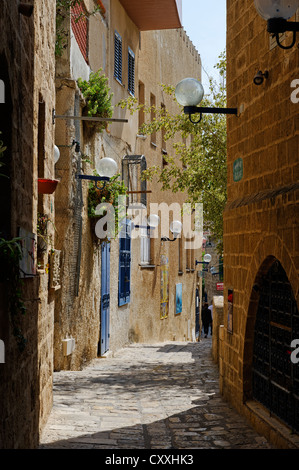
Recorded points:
(275, 378)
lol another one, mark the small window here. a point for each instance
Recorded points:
(153, 115)
(131, 72)
(118, 57)
(141, 93)
(145, 245)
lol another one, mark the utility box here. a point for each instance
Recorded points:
(68, 346)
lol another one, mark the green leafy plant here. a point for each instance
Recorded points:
(107, 192)
(10, 256)
(98, 97)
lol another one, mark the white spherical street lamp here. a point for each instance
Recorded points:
(107, 167)
(189, 92)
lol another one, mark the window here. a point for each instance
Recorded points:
(180, 254)
(153, 104)
(124, 279)
(131, 72)
(163, 112)
(118, 57)
(145, 244)
(132, 168)
(141, 98)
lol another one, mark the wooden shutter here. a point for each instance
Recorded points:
(131, 72)
(124, 289)
(118, 57)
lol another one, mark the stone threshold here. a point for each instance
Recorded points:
(277, 433)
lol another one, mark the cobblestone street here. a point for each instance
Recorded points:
(162, 396)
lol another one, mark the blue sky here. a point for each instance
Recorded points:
(205, 23)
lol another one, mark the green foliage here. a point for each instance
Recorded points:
(10, 256)
(98, 97)
(107, 192)
(198, 169)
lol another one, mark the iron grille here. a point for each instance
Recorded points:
(275, 381)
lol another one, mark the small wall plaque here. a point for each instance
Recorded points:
(238, 169)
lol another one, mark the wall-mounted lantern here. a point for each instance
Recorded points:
(175, 228)
(189, 93)
(259, 77)
(277, 13)
(106, 168)
(56, 154)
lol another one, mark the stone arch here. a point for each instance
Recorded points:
(262, 261)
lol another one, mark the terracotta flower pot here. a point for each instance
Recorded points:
(47, 186)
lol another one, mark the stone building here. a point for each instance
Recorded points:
(27, 70)
(261, 229)
(103, 303)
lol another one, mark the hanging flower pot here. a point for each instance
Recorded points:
(47, 186)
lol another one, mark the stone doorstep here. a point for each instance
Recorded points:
(276, 427)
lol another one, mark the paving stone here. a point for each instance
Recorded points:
(161, 396)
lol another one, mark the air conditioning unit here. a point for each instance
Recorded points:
(68, 346)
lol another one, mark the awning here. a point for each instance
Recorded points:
(154, 14)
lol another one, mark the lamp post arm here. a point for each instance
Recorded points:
(203, 110)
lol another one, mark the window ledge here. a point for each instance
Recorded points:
(180, 273)
(118, 81)
(148, 266)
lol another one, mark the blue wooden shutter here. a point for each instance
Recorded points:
(124, 289)
(131, 72)
(118, 57)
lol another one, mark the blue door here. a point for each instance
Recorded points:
(105, 299)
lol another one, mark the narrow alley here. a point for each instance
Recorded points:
(161, 396)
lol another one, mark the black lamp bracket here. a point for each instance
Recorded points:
(165, 239)
(204, 110)
(96, 179)
(277, 26)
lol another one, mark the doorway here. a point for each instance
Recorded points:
(275, 378)
(103, 345)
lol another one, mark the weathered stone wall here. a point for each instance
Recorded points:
(26, 50)
(261, 217)
(159, 64)
(218, 322)
(77, 311)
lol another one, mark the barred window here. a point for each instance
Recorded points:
(131, 71)
(118, 57)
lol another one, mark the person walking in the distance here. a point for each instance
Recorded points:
(206, 319)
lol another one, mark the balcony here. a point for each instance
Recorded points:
(154, 14)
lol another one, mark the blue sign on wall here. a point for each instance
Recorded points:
(238, 169)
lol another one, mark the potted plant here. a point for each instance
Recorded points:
(98, 99)
(105, 192)
(46, 186)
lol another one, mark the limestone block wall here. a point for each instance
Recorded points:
(261, 217)
(218, 321)
(28, 64)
